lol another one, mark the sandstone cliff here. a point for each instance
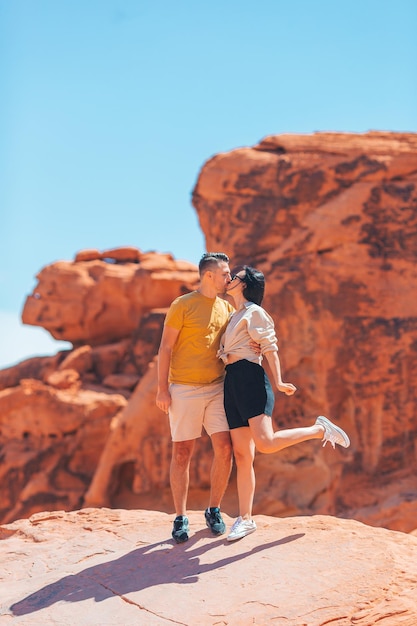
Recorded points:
(331, 220)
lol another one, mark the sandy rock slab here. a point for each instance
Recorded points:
(116, 567)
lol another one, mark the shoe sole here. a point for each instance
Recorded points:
(179, 539)
(341, 432)
(241, 535)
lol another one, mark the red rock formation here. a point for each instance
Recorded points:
(332, 221)
(56, 412)
(122, 567)
(99, 298)
(51, 440)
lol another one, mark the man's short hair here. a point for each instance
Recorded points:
(209, 260)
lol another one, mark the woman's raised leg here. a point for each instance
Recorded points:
(268, 441)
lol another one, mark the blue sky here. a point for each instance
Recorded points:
(109, 108)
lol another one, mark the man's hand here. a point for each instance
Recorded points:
(163, 400)
(288, 388)
(255, 347)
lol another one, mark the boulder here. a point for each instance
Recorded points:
(101, 300)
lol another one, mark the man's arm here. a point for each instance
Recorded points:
(169, 337)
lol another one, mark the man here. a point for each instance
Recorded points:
(190, 388)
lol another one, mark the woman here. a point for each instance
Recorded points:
(248, 395)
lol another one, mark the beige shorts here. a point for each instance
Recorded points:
(194, 407)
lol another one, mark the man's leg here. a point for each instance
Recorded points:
(182, 452)
(221, 467)
(220, 473)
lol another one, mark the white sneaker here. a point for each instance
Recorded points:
(241, 528)
(333, 433)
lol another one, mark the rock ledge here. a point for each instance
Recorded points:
(116, 567)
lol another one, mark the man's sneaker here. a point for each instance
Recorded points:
(333, 433)
(180, 530)
(241, 528)
(214, 521)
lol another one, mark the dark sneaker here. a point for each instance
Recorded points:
(180, 530)
(214, 521)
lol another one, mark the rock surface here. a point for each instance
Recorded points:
(110, 567)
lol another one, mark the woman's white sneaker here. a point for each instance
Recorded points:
(241, 528)
(333, 433)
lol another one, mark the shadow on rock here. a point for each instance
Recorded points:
(155, 564)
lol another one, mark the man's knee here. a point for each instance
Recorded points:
(222, 444)
(182, 452)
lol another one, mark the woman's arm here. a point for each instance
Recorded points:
(274, 363)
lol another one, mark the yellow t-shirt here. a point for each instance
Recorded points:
(201, 322)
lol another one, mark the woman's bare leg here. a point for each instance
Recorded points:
(244, 452)
(221, 467)
(268, 441)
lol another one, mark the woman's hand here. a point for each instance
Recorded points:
(288, 388)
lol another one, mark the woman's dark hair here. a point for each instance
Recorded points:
(254, 283)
